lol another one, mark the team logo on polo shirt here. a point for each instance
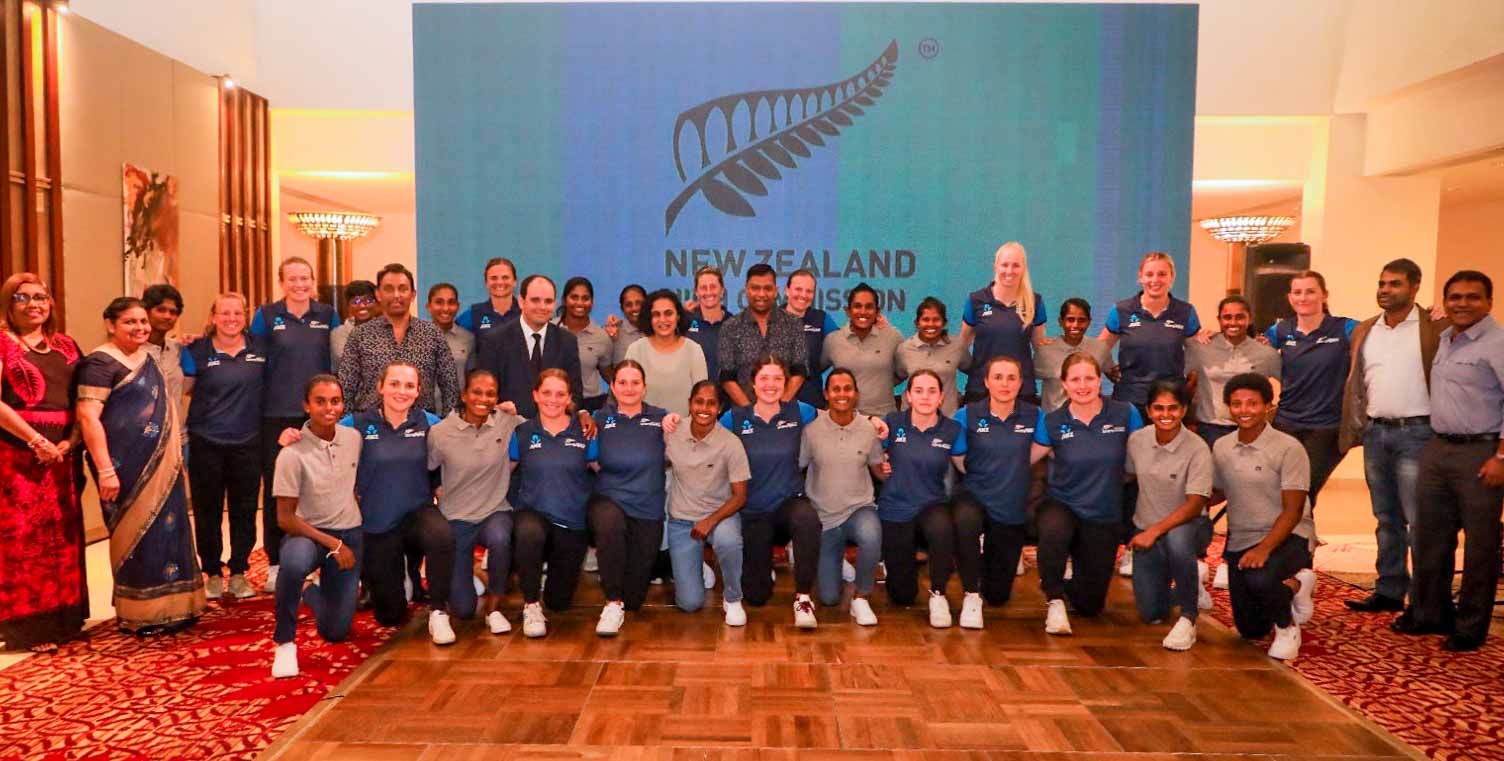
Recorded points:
(278, 323)
(1066, 432)
(1134, 321)
(983, 426)
(213, 361)
(610, 422)
(318, 325)
(1328, 340)
(784, 425)
(536, 442)
(485, 322)
(1110, 428)
(249, 357)
(900, 436)
(1021, 428)
(694, 326)
(371, 432)
(939, 443)
(649, 423)
(812, 328)
(574, 443)
(1290, 340)
(1173, 325)
(415, 433)
(746, 427)
(986, 310)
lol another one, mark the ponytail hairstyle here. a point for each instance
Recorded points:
(1025, 295)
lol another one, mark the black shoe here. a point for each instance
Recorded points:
(1460, 644)
(1375, 603)
(1408, 624)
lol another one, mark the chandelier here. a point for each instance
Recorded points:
(334, 225)
(1250, 230)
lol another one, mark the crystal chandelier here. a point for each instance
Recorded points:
(334, 225)
(1249, 230)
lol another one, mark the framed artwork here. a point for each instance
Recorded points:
(150, 207)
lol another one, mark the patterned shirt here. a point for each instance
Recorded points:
(373, 345)
(741, 342)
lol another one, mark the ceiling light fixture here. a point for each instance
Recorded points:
(334, 225)
(1248, 230)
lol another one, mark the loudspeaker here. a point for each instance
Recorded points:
(1267, 272)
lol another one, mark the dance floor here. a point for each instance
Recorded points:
(682, 686)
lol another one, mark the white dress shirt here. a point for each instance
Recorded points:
(1392, 369)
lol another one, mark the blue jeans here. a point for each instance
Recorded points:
(687, 553)
(1391, 465)
(862, 529)
(332, 599)
(495, 534)
(1172, 558)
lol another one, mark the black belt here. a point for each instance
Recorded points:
(1467, 438)
(1401, 422)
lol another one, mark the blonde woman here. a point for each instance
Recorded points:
(1151, 327)
(1005, 318)
(223, 374)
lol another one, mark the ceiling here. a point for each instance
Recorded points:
(370, 192)
(1478, 181)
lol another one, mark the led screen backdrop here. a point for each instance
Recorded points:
(896, 143)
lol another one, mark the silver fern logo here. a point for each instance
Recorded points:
(794, 121)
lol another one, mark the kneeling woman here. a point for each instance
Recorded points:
(842, 454)
(1265, 475)
(920, 446)
(552, 457)
(709, 488)
(396, 503)
(1174, 468)
(1081, 518)
(314, 487)
(469, 449)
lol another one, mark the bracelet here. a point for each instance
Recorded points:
(106, 472)
(36, 441)
(336, 549)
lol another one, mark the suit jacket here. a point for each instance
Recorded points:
(1355, 393)
(504, 351)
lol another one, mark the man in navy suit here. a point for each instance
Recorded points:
(520, 349)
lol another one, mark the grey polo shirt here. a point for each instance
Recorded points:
(837, 481)
(945, 357)
(473, 465)
(871, 360)
(704, 470)
(1051, 356)
(1167, 473)
(626, 335)
(1216, 363)
(1252, 476)
(321, 476)
(338, 337)
(597, 355)
(462, 346)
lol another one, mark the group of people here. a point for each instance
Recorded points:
(387, 450)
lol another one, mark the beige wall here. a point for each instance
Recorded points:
(1471, 238)
(121, 102)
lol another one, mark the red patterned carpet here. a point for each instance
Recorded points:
(201, 694)
(1448, 706)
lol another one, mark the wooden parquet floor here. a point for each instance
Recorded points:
(685, 686)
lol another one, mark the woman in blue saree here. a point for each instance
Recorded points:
(134, 440)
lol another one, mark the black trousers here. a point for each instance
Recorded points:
(952, 532)
(1089, 545)
(535, 540)
(626, 549)
(1453, 498)
(219, 474)
(1001, 546)
(1321, 447)
(422, 533)
(795, 519)
(1260, 597)
(271, 533)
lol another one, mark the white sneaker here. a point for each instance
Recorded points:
(1070, 570)
(407, 587)
(736, 615)
(439, 629)
(498, 623)
(271, 580)
(1125, 565)
(971, 611)
(707, 575)
(1286, 643)
(285, 660)
(612, 617)
(804, 612)
(1056, 621)
(240, 589)
(1182, 636)
(534, 623)
(788, 551)
(1302, 607)
(862, 613)
(480, 587)
(1021, 566)
(848, 571)
(1203, 595)
(215, 588)
(939, 611)
(592, 565)
(656, 581)
(1219, 579)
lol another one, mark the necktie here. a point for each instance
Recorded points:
(536, 358)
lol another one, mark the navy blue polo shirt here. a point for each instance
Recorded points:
(1149, 347)
(226, 406)
(1313, 371)
(772, 448)
(708, 336)
(921, 461)
(817, 325)
(392, 479)
(1086, 466)
(631, 460)
(997, 458)
(556, 478)
(999, 331)
(297, 348)
(481, 317)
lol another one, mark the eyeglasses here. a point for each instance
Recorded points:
(23, 299)
(360, 301)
